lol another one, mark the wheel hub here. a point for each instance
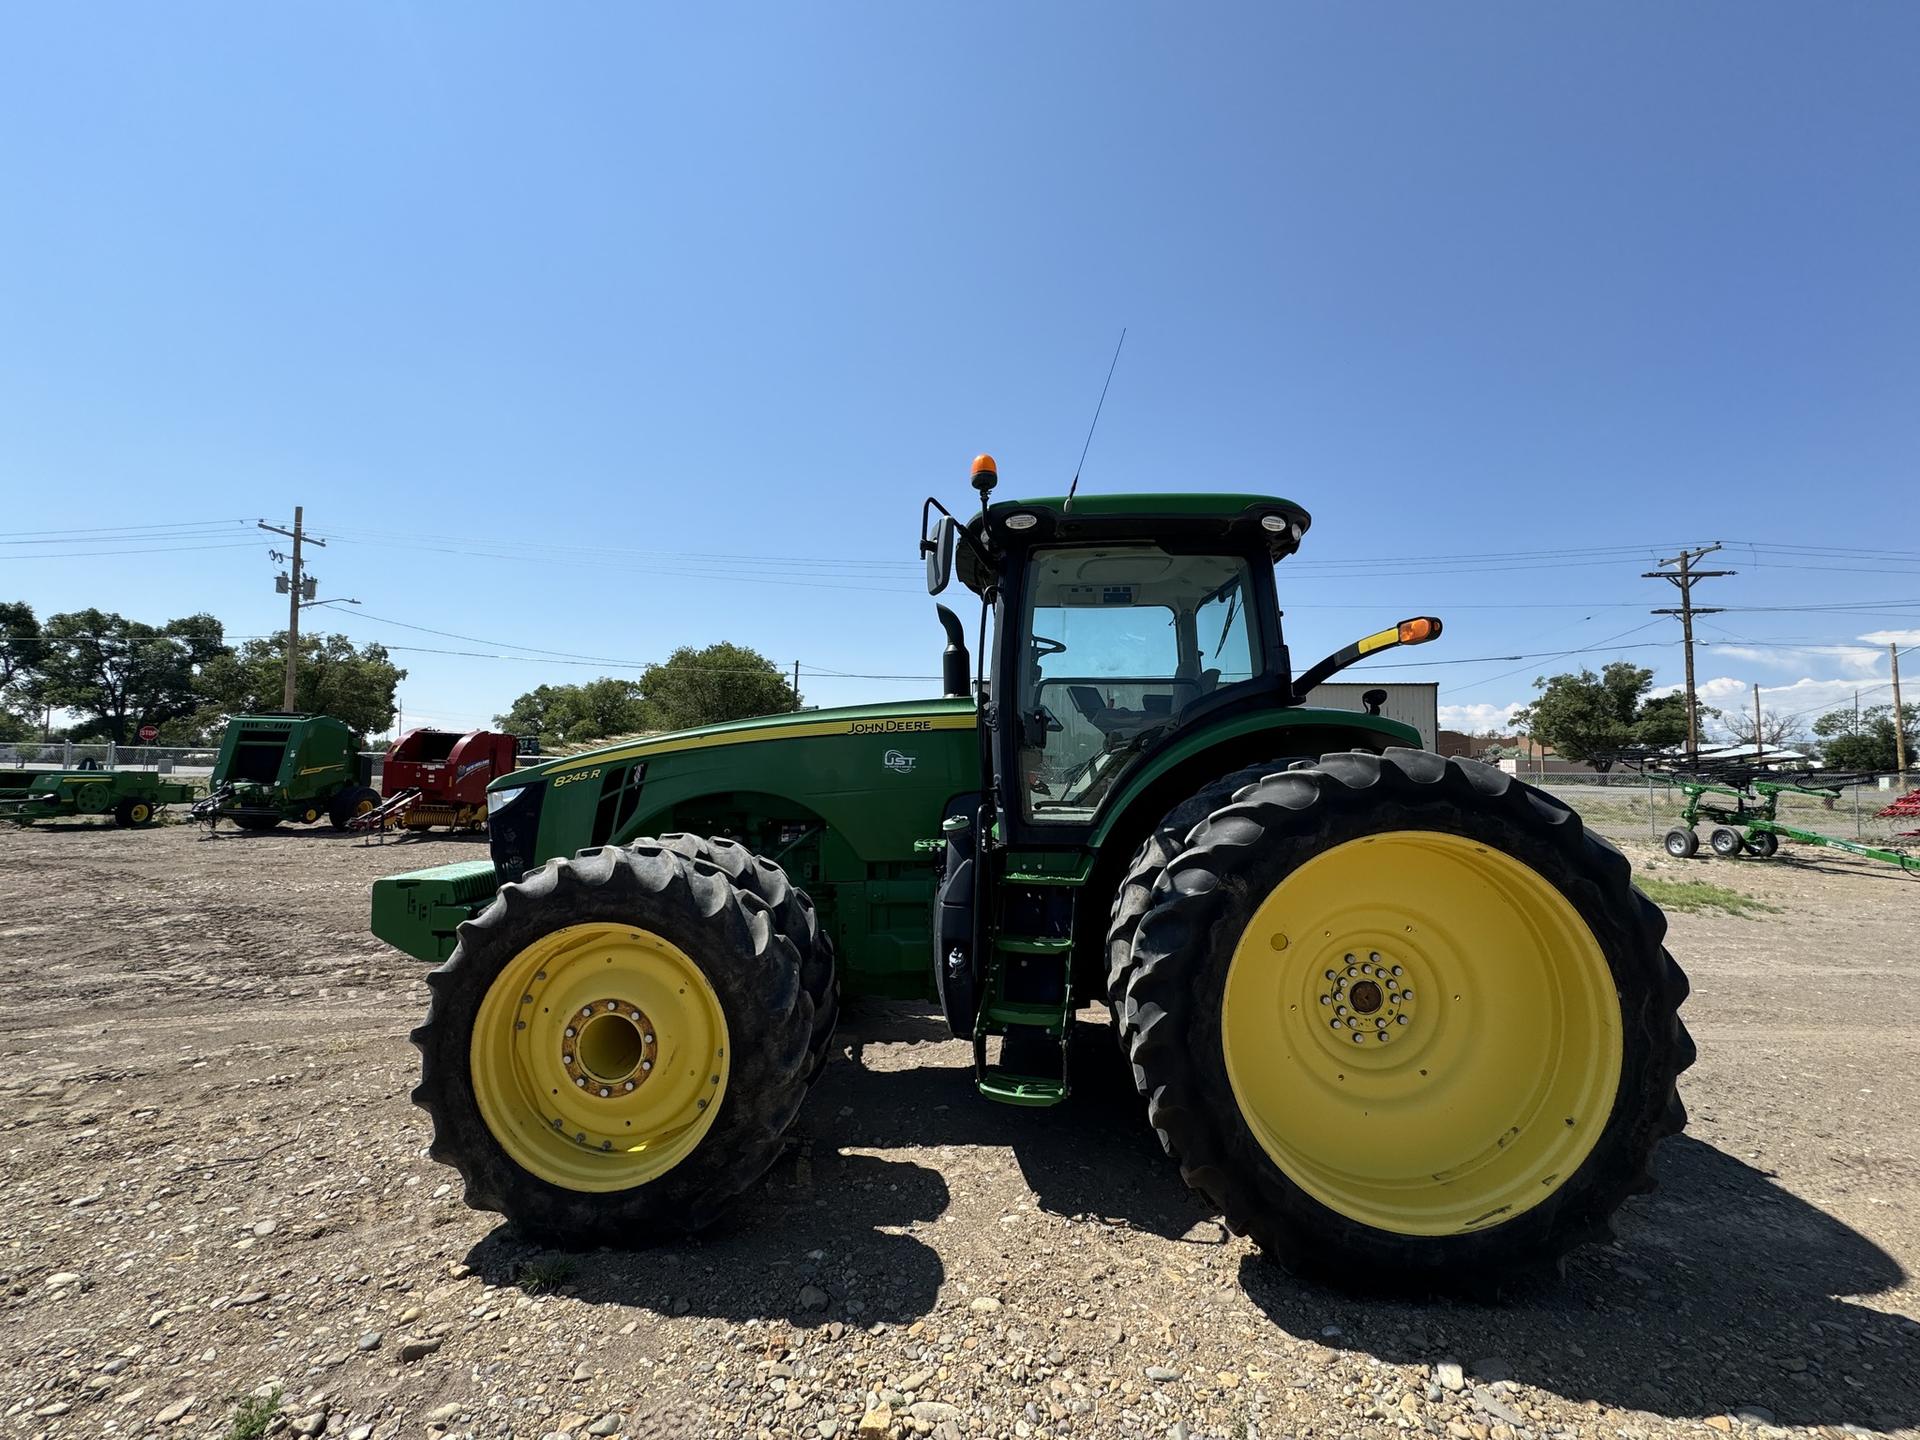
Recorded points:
(609, 1049)
(1366, 998)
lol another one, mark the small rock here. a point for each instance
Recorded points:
(1795, 1363)
(60, 1279)
(608, 1424)
(812, 1297)
(983, 1305)
(56, 1407)
(410, 1314)
(1178, 1431)
(266, 1228)
(917, 1380)
(875, 1424)
(175, 1412)
(932, 1412)
(1492, 1368)
(1161, 1373)
(115, 1365)
(419, 1348)
(1720, 1422)
(369, 1341)
(1754, 1415)
(1493, 1405)
(311, 1423)
(1450, 1375)
(1330, 1331)
(360, 1432)
(828, 1428)
(249, 1297)
(1410, 1404)
(441, 1414)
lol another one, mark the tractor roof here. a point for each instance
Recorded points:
(1236, 522)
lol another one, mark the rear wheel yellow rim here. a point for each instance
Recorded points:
(363, 806)
(1422, 1033)
(599, 1057)
(139, 813)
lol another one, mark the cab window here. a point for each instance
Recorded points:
(1121, 641)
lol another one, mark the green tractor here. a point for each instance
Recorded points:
(299, 768)
(1400, 1018)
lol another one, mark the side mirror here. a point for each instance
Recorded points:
(938, 548)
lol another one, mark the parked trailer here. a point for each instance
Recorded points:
(1751, 825)
(131, 797)
(440, 777)
(298, 768)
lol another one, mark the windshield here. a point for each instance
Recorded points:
(1121, 642)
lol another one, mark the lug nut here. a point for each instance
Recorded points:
(566, 1059)
(645, 1065)
(604, 1092)
(569, 1032)
(629, 1084)
(581, 1081)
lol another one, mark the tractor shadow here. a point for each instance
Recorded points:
(829, 1235)
(1723, 1292)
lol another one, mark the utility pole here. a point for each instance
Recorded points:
(1683, 580)
(296, 587)
(1899, 718)
(796, 685)
(1758, 750)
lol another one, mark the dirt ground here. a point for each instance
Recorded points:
(214, 1187)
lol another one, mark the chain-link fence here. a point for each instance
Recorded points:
(1626, 806)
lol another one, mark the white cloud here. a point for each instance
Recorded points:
(1808, 697)
(1902, 638)
(1473, 719)
(1853, 659)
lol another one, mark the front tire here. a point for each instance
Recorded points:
(615, 1048)
(130, 813)
(1726, 843)
(794, 917)
(1682, 844)
(1405, 1021)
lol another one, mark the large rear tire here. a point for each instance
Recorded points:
(793, 916)
(1405, 1021)
(1134, 897)
(615, 1048)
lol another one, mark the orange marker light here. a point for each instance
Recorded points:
(983, 465)
(1419, 631)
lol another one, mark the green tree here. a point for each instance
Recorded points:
(334, 678)
(570, 714)
(1585, 715)
(1866, 742)
(722, 682)
(1662, 721)
(118, 674)
(19, 670)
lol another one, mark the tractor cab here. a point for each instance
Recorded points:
(1127, 629)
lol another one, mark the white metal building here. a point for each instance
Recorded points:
(1415, 703)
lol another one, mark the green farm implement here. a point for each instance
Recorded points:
(1751, 825)
(1400, 1018)
(131, 797)
(297, 768)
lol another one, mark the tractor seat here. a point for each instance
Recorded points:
(1113, 723)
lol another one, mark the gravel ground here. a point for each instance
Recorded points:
(213, 1188)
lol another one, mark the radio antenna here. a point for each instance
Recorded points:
(1096, 421)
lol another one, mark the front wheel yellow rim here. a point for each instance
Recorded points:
(1422, 1033)
(599, 1057)
(139, 814)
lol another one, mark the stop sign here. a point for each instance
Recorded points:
(149, 732)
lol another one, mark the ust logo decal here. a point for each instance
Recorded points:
(898, 763)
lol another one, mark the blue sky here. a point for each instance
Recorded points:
(603, 330)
